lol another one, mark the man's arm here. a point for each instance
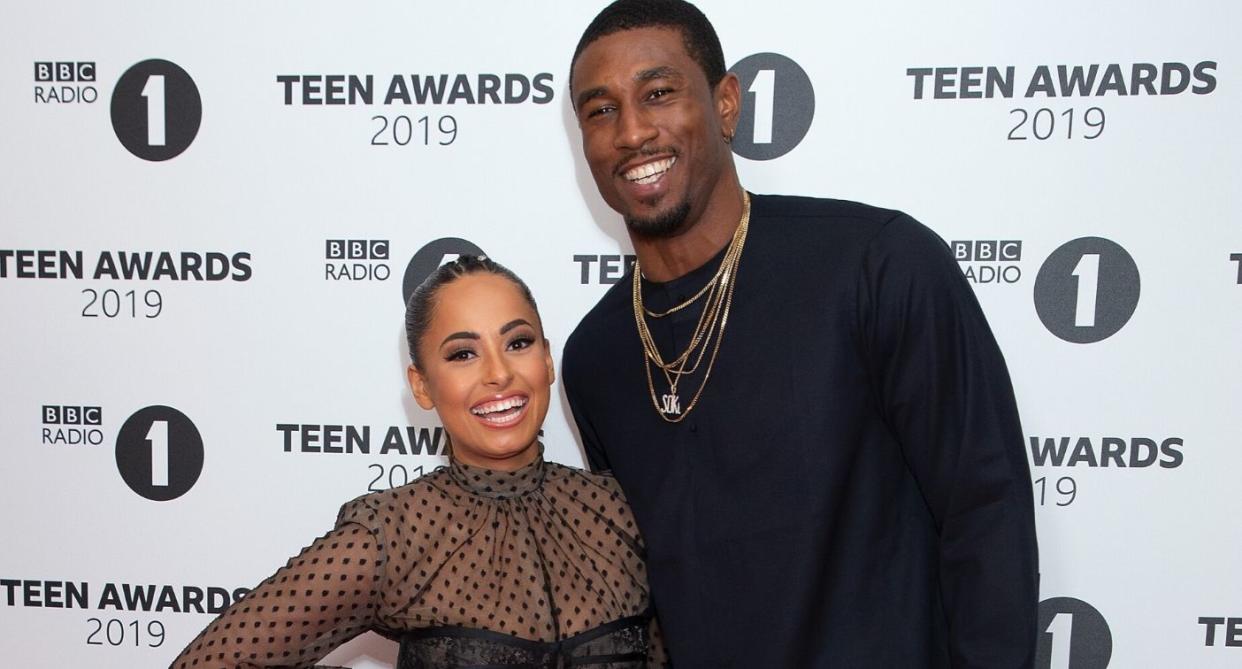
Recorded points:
(571, 366)
(941, 382)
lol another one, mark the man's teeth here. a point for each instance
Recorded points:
(497, 407)
(649, 172)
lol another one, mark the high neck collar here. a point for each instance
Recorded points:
(498, 484)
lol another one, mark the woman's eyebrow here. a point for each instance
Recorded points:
(465, 334)
(512, 324)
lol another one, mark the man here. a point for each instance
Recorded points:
(800, 397)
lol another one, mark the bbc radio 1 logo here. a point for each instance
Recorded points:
(1087, 290)
(156, 110)
(159, 453)
(65, 82)
(356, 260)
(1073, 635)
(431, 257)
(778, 106)
(989, 261)
(72, 425)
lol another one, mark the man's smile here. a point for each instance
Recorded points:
(649, 173)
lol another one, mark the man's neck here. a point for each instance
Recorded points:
(667, 258)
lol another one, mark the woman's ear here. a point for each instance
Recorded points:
(418, 385)
(547, 360)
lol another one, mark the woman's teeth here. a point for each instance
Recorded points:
(501, 411)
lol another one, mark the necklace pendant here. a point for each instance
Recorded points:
(670, 404)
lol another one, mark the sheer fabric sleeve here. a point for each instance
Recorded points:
(657, 654)
(326, 595)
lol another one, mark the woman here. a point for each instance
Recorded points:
(500, 559)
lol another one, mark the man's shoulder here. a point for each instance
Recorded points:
(798, 207)
(820, 223)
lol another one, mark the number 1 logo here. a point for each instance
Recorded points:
(1073, 636)
(764, 90)
(1087, 271)
(156, 110)
(431, 257)
(157, 436)
(153, 91)
(1087, 290)
(1061, 629)
(778, 105)
(159, 453)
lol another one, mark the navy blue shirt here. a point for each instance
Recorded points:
(851, 490)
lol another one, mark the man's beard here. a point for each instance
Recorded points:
(663, 225)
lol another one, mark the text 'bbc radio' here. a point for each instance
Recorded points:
(64, 82)
(356, 260)
(72, 425)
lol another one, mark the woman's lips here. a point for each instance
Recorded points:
(501, 412)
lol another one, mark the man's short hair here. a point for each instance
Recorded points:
(698, 36)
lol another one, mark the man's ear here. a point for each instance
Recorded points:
(728, 97)
(418, 385)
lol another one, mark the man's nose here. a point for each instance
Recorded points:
(635, 128)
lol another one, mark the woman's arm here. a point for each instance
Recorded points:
(325, 596)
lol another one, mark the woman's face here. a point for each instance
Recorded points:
(486, 370)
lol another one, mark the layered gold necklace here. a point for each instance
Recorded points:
(708, 332)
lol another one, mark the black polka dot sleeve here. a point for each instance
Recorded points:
(325, 596)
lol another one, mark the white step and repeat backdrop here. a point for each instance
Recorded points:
(209, 213)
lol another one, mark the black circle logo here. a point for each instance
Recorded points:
(778, 105)
(1072, 635)
(156, 110)
(1087, 290)
(159, 453)
(430, 258)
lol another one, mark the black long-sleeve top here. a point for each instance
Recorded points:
(851, 490)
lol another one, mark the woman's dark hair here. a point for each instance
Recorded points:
(418, 309)
(698, 36)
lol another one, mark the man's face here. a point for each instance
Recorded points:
(652, 127)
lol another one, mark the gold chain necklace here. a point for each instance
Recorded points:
(709, 285)
(726, 271)
(711, 323)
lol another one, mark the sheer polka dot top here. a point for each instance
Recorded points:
(544, 553)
